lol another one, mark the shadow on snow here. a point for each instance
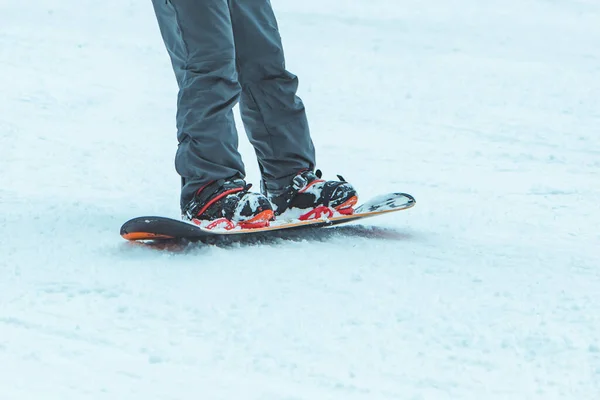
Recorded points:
(277, 237)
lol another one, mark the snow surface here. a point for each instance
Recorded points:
(488, 112)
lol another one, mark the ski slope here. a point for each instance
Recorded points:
(488, 112)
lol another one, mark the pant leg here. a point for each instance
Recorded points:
(199, 39)
(274, 116)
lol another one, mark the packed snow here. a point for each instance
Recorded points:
(488, 112)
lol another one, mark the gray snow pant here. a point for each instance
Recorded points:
(224, 52)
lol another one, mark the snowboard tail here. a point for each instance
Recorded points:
(157, 228)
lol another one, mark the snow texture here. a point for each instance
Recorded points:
(488, 112)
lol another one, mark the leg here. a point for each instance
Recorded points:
(274, 116)
(199, 39)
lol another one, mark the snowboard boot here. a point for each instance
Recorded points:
(228, 203)
(310, 197)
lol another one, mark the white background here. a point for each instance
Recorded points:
(488, 112)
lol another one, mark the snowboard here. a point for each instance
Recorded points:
(157, 228)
